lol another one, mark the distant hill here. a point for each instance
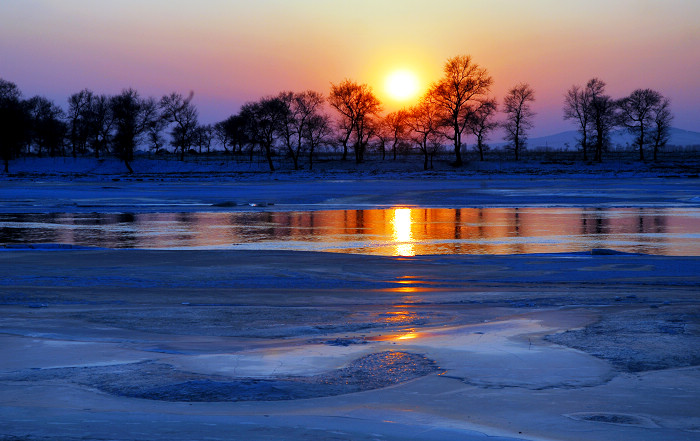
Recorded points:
(620, 137)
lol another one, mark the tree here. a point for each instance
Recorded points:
(221, 133)
(78, 116)
(424, 121)
(178, 110)
(299, 109)
(316, 132)
(519, 114)
(637, 115)
(262, 123)
(577, 107)
(231, 131)
(356, 103)
(100, 121)
(204, 136)
(153, 123)
(661, 126)
(603, 116)
(47, 127)
(14, 122)
(396, 122)
(483, 123)
(127, 110)
(456, 94)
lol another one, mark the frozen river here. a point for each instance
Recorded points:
(398, 231)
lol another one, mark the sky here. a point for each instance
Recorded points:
(233, 51)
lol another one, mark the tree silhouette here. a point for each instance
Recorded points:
(457, 93)
(203, 137)
(300, 108)
(48, 130)
(14, 122)
(397, 125)
(637, 115)
(178, 110)
(153, 123)
(100, 123)
(603, 116)
(356, 103)
(577, 107)
(316, 132)
(424, 121)
(127, 110)
(661, 126)
(262, 123)
(79, 115)
(519, 114)
(231, 132)
(482, 123)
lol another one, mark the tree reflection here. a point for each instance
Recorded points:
(399, 231)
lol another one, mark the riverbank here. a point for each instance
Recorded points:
(226, 168)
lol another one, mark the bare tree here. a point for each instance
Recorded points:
(396, 123)
(153, 123)
(425, 120)
(519, 114)
(300, 108)
(221, 135)
(100, 123)
(603, 116)
(179, 110)
(316, 132)
(577, 107)
(262, 123)
(78, 116)
(483, 123)
(457, 93)
(356, 104)
(637, 115)
(204, 136)
(661, 126)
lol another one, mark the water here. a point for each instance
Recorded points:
(396, 231)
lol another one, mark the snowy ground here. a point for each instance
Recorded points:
(144, 344)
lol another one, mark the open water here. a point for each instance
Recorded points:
(399, 231)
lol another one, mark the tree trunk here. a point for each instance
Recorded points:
(268, 153)
(458, 147)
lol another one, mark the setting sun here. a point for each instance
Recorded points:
(402, 85)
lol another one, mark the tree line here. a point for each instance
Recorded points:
(296, 125)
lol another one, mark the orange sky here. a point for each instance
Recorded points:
(230, 52)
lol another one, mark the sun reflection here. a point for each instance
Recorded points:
(401, 224)
(408, 336)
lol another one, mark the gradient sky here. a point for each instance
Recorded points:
(229, 52)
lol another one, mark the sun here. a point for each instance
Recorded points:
(402, 85)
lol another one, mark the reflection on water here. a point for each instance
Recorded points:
(402, 225)
(396, 231)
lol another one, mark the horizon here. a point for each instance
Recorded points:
(232, 53)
